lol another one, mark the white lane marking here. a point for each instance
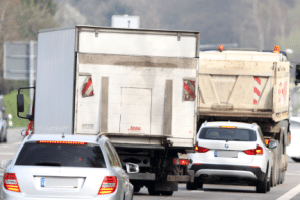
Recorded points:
(290, 194)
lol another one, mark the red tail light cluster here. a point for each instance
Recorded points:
(258, 151)
(177, 161)
(200, 149)
(109, 185)
(10, 182)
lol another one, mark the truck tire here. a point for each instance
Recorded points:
(136, 188)
(274, 171)
(152, 191)
(296, 159)
(262, 186)
(191, 186)
(5, 137)
(166, 193)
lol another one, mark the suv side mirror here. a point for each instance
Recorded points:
(272, 144)
(132, 168)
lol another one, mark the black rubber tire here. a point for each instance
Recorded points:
(153, 192)
(5, 137)
(136, 188)
(273, 178)
(1, 136)
(296, 159)
(199, 185)
(262, 186)
(191, 186)
(268, 186)
(166, 193)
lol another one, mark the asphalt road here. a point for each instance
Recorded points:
(290, 189)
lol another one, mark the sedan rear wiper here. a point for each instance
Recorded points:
(48, 163)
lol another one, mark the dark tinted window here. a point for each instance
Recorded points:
(35, 154)
(228, 134)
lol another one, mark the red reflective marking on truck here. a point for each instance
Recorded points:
(187, 88)
(87, 85)
(256, 91)
(258, 80)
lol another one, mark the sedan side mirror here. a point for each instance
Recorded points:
(272, 144)
(132, 168)
(5, 164)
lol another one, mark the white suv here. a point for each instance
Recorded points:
(231, 152)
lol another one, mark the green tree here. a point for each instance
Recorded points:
(34, 15)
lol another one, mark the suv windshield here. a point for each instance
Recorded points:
(67, 155)
(228, 134)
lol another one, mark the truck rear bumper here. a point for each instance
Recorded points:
(142, 176)
(172, 178)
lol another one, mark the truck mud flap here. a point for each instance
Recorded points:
(142, 176)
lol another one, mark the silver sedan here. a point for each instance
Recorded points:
(66, 167)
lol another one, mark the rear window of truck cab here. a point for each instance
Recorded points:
(68, 154)
(229, 134)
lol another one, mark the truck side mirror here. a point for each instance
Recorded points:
(272, 144)
(20, 103)
(297, 75)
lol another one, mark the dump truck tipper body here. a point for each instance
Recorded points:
(248, 86)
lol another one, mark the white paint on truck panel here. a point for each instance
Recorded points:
(142, 90)
(55, 83)
(135, 110)
(134, 44)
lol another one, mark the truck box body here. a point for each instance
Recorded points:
(244, 84)
(133, 85)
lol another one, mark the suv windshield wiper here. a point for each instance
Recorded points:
(44, 163)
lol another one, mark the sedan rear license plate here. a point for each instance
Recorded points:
(59, 182)
(226, 154)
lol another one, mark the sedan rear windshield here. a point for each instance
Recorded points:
(228, 134)
(66, 155)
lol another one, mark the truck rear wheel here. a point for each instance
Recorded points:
(152, 191)
(262, 187)
(191, 186)
(166, 193)
(296, 159)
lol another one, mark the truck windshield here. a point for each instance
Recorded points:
(34, 154)
(228, 134)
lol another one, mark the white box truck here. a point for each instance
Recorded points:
(248, 86)
(135, 86)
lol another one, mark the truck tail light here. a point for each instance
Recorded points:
(109, 185)
(10, 182)
(258, 151)
(200, 149)
(177, 161)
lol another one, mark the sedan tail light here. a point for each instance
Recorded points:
(109, 185)
(258, 151)
(200, 149)
(10, 182)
